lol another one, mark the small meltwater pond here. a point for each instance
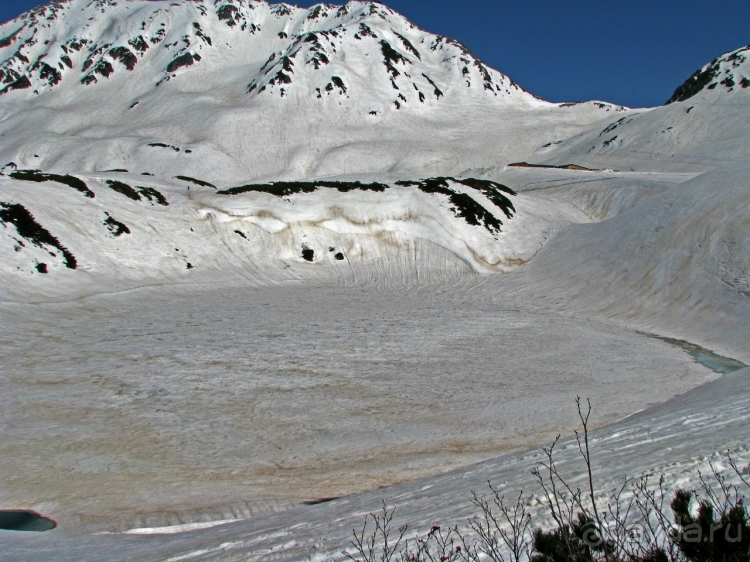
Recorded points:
(19, 520)
(717, 363)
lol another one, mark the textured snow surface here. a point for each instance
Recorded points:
(678, 439)
(249, 400)
(185, 342)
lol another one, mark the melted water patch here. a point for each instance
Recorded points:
(717, 363)
(19, 520)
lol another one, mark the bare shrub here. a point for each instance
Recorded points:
(636, 523)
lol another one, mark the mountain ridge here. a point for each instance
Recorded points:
(94, 53)
(259, 91)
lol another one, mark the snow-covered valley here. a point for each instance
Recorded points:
(229, 289)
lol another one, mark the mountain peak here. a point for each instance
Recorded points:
(239, 90)
(271, 49)
(729, 72)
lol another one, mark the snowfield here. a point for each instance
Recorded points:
(678, 439)
(256, 256)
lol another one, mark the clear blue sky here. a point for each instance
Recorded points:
(631, 52)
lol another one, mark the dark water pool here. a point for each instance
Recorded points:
(18, 520)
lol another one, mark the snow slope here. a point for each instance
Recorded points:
(703, 125)
(679, 257)
(243, 90)
(127, 231)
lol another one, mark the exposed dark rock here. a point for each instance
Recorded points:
(269, 61)
(8, 41)
(125, 56)
(37, 176)
(437, 92)
(492, 191)
(612, 126)
(308, 254)
(280, 78)
(699, 80)
(139, 44)
(318, 60)
(186, 59)
(42, 268)
(339, 83)
(30, 230)
(152, 195)
(77, 45)
(281, 10)
(464, 206)
(486, 76)
(317, 12)
(103, 68)
(50, 74)
(162, 145)
(408, 46)
(115, 227)
(564, 167)
(195, 181)
(287, 64)
(22, 83)
(391, 56)
(124, 189)
(365, 31)
(285, 188)
(159, 37)
(199, 33)
(227, 13)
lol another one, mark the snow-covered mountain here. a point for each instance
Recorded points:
(93, 42)
(148, 109)
(237, 90)
(146, 140)
(706, 118)
(729, 71)
(254, 255)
